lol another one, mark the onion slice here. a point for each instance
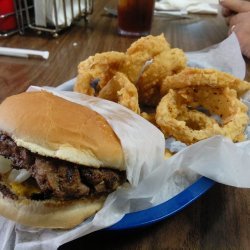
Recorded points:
(18, 175)
(5, 165)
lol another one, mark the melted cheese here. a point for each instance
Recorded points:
(26, 188)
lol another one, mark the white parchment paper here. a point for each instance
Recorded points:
(153, 179)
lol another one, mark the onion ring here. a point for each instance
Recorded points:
(167, 63)
(140, 52)
(101, 66)
(119, 89)
(177, 116)
(203, 77)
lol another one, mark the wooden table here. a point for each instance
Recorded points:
(218, 220)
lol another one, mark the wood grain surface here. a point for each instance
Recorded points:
(218, 220)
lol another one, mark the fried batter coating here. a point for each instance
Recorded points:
(202, 77)
(119, 89)
(165, 64)
(177, 115)
(141, 51)
(133, 66)
(101, 66)
(83, 84)
(152, 45)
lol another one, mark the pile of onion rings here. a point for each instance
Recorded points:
(97, 71)
(189, 104)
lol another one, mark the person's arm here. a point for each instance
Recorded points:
(238, 14)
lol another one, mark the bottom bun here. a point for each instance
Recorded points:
(49, 213)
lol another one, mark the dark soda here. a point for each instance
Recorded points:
(135, 16)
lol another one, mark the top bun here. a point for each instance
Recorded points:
(52, 126)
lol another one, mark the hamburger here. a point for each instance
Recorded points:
(58, 161)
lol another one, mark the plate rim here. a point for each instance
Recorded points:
(166, 209)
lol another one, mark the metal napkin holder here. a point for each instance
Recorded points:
(25, 16)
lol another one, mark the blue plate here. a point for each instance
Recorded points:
(165, 209)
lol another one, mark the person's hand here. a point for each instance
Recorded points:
(238, 14)
(231, 7)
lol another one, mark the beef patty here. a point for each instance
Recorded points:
(60, 179)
